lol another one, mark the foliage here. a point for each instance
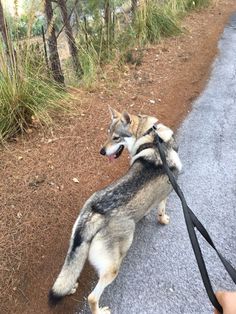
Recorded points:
(26, 90)
(180, 7)
(37, 25)
(101, 40)
(106, 31)
(154, 21)
(192, 4)
(20, 28)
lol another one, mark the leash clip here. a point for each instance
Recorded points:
(154, 127)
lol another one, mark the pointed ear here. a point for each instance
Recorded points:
(114, 113)
(125, 118)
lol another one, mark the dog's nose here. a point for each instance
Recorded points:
(103, 151)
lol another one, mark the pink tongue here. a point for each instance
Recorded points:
(111, 157)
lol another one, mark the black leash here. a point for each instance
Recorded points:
(192, 222)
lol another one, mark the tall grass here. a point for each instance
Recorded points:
(157, 19)
(192, 4)
(154, 20)
(25, 86)
(180, 7)
(26, 89)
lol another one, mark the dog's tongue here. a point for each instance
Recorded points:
(111, 157)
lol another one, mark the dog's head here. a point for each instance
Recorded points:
(124, 131)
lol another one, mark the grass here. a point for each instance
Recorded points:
(26, 89)
(90, 64)
(197, 4)
(153, 21)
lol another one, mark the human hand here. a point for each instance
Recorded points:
(227, 300)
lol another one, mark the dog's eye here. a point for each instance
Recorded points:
(115, 138)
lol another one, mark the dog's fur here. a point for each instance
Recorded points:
(104, 230)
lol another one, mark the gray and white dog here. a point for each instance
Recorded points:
(104, 229)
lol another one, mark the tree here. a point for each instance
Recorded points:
(70, 38)
(54, 59)
(107, 18)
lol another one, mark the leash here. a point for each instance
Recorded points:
(192, 222)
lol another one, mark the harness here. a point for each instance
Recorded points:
(145, 146)
(192, 222)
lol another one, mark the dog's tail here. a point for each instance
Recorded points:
(85, 227)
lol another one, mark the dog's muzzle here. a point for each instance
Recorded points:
(115, 155)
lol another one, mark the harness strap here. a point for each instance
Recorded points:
(145, 146)
(192, 221)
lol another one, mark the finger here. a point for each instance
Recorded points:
(220, 297)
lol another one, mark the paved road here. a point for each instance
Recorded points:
(159, 274)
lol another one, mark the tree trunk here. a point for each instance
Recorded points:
(70, 38)
(54, 59)
(107, 19)
(3, 29)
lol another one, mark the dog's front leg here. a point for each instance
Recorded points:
(162, 217)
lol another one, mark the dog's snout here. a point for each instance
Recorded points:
(103, 151)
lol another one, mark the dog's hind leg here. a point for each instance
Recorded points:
(104, 280)
(107, 251)
(162, 217)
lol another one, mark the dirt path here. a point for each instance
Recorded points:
(40, 200)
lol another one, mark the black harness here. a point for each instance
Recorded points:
(192, 222)
(145, 146)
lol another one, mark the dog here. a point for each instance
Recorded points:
(104, 229)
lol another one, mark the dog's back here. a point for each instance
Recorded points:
(105, 227)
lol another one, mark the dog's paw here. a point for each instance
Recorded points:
(104, 310)
(73, 290)
(164, 219)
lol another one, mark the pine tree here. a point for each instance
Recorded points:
(54, 59)
(70, 38)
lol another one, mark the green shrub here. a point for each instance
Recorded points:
(89, 61)
(26, 90)
(154, 21)
(37, 26)
(182, 6)
(192, 4)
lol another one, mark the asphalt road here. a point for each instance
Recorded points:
(159, 274)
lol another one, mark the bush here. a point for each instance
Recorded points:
(26, 89)
(37, 26)
(20, 27)
(154, 21)
(99, 42)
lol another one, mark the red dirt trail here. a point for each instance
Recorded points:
(38, 198)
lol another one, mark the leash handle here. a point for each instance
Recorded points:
(191, 222)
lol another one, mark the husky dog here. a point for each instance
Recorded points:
(104, 230)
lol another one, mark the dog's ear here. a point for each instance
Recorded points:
(125, 118)
(114, 113)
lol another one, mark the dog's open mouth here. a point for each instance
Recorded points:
(117, 153)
